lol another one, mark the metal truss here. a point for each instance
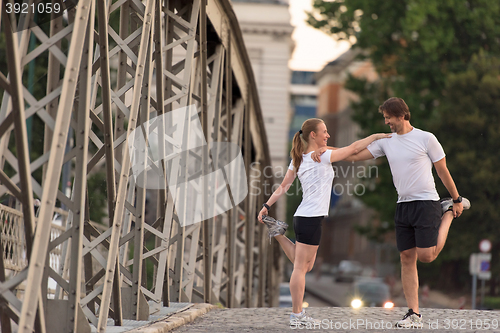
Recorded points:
(111, 78)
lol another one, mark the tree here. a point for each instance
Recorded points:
(469, 130)
(414, 44)
(421, 50)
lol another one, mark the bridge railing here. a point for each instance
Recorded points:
(13, 239)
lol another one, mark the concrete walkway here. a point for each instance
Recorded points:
(337, 319)
(198, 318)
(165, 320)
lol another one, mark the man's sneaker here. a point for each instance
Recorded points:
(274, 227)
(411, 320)
(302, 318)
(447, 204)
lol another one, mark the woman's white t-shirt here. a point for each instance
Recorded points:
(316, 180)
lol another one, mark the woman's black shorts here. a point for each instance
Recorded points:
(307, 229)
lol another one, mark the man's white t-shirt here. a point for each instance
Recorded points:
(316, 180)
(411, 157)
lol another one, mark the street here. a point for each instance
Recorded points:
(314, 302)
(330, 292)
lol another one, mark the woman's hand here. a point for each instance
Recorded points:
(379, 136)
(263, 211)
(316, 154)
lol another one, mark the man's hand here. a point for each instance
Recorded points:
(316, 154)
(458, 208)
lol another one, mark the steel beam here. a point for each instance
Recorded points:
(207, 223)
(125, 167)
(103, 20)
(167, 57)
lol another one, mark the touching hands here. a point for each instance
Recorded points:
(458, 208)
(316, 155)
(379, 136)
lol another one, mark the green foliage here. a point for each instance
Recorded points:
(492, 302)
(414, 44)
(294, 197)
(96, 183)
(468, 130)
(381, 196)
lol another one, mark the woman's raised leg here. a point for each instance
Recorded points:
(287, 245)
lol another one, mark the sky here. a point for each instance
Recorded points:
(313, 48)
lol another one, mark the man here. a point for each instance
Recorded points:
(422, 221)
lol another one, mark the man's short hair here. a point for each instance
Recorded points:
(395, 107)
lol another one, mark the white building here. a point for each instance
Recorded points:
(267, 33)
(304, 99)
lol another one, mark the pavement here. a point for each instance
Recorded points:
(197, 318)
(175, 320)
(202, 318)
(164, 320)
(436, 317)
(342, 319)
(337, 319)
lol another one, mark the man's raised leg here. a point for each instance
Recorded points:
(430, 254)
(443, 231)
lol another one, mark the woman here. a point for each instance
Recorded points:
(316, 181)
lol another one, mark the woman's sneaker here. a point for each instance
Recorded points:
(274, 227)
(411, 320)
(447, 204)
(302, 319)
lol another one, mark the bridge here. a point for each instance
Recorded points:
(160, 96)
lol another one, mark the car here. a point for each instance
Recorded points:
(371, 292)
(348, 270)
(286, 296)
(327, 269)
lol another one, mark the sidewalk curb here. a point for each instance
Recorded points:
(176, 320)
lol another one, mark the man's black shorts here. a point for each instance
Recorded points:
(417, 224)
(307, 229)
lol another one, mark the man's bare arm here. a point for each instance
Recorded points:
(445, 176)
